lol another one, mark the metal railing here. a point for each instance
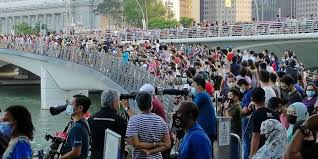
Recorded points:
(273, 28)
(128, 76)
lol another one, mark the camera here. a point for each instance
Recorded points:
(183, 92)
(132, 95)
(59, 109)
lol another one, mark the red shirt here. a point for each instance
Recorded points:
(158, 108)
(209, 88)
(229, 56)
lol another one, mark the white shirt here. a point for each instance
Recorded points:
(269, 93)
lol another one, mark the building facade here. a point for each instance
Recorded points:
(59, 15)
(190, 9)
(265, 10)
(227, 11)
(174, 6)
(306, 9)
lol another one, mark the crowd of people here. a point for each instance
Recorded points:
(271, 103)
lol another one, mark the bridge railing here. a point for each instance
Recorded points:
(128, 76)
(273, 28)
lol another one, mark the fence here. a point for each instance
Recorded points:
(128, 76)
(291, 27)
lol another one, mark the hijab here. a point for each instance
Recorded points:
(276, 140)
(301, 113)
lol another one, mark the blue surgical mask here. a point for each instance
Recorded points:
(70, 110)
(193, 91)
(310, 93)
(5, 128)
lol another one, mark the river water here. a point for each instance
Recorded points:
(43, 121)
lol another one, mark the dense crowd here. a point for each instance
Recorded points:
(271, 103)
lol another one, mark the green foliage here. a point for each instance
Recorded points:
(130, 10)
(186, 22)
(24, 28)
(162, 23)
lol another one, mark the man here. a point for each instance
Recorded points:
(195, 143)
(106, 118)
(147, 132)
(263, 76)
(232, 109)
(157, 106)
(289, 91)
(260, 114)
(77, 142)
(247, 90)
(207, 118)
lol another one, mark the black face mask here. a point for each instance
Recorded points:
(291, 119)
(178, 121)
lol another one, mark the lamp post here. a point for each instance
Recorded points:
(143, 16)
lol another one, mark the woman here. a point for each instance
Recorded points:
(21, 134)
(296, 112)
(276, 140)
(253, 71)
(304, 144)
(311, 97)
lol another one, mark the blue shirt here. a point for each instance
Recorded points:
(207, 118)
(21, 148)
(299, 89)
(247, 98)
(78, 136)
(195, 144)
(125, 56)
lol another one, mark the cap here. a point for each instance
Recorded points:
(147, 88)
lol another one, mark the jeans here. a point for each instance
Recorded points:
(246, 137)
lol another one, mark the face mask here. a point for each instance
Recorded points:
(70, 110)
(242, 90)
(310, 93)
(291, 119)
(193, 91)
(5, 128)
(231, 85)
(178, 121)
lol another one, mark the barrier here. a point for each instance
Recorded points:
(128, 76)
(273, 28)
(236, 147)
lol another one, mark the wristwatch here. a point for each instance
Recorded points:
(126, 109)
(304, 131)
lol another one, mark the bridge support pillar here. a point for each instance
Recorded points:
(52, 94)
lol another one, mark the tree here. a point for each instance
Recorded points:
(162, 23)
(186, 22)
(24, 28)
(111, 8)
(130, 10)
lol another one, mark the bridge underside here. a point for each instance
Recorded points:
(59, 79)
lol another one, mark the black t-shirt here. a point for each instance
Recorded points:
(294, 97)
(258, 117)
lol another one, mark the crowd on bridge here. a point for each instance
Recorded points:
(270, 101)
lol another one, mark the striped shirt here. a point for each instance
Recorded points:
(149, 128)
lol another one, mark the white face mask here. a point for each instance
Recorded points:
(231, 85)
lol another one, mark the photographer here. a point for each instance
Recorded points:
(106, 118)
(77, 143)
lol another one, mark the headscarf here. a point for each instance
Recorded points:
(276, 140)
(301, 113)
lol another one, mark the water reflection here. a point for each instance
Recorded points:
(43, 121)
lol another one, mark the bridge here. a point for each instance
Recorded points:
(68, 71)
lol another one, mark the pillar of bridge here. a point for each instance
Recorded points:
(52, 94)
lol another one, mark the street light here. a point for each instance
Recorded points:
(143, 16)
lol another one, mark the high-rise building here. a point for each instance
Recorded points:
(190, 9)
(306, 9)
(265, 10)
(229, 11)
(174, 6)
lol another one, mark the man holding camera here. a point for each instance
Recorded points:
(106, 118)
(77, 142)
